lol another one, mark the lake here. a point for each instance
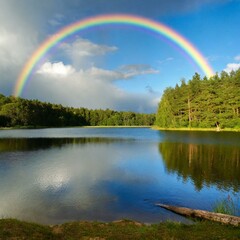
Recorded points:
(56, 175)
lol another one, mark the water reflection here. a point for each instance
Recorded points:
(58, 180)
(30, 144)
(204, 164)
(119, 175)
(202, 137)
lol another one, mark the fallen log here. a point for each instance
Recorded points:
(217, 217)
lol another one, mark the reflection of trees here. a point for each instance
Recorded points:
(204, 164)
(29, 144)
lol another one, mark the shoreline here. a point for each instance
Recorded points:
(46, 127)
(197, 129)
(120, 126)
(153, 127)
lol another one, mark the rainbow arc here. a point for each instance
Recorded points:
(102, 20)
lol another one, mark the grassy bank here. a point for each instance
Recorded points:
(14, 229)
(197, 129)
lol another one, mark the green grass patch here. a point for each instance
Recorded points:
(15, 229)
(124, 229)
(227, 206)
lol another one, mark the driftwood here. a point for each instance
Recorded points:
(217, 217)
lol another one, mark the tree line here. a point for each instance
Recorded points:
(19, 112)
(202, 103)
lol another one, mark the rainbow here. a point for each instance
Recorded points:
(110, 19)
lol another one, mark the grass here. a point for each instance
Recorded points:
(124, 229)
(226, 206)
(15, 229)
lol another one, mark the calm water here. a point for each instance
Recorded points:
(57, 175)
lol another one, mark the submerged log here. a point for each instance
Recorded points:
(217, 217)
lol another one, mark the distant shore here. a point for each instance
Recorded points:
(121, 126)
(197, 129)
(117, 126)
(40, 127)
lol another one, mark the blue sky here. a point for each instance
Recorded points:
(122, 67)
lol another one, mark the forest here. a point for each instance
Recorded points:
(19, 112)
(202, 103)
(199, 103)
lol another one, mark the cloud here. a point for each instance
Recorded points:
(58, 69)
(104, 75)
(124, 72)
(21, 31)
(92, 88)
(169, 59)
(132, 70)
(232, 67)
(56, 20)
(237, 58)
(85, 48)
(83, 53)
(150, 90)
(14, 45)
(14, 50)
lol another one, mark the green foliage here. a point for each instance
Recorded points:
(202, 102)
(24, 113)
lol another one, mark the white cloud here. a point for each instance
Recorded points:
(92, 88)
(104, 75)
(83, 53)
(237, 58)
(58, 69)
(124, 72)
(232, 67)
(20, 34)
(15, 47)
(169, 59)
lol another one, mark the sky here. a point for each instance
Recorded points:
(117, 67)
